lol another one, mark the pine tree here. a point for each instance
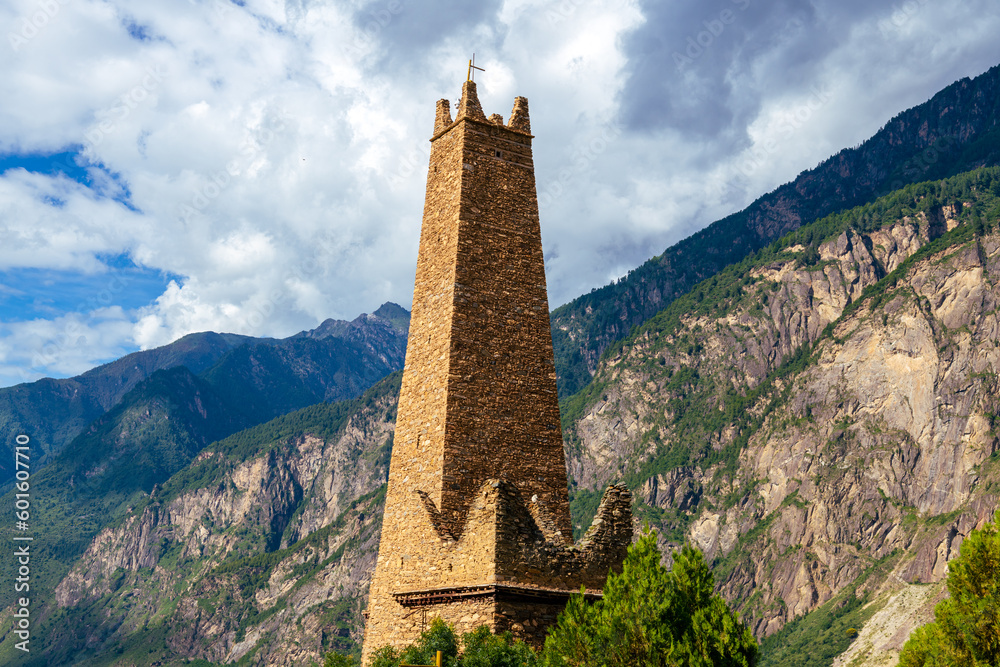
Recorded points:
(966, 627)
(651, 616)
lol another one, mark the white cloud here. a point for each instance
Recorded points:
(63, 346)
(274, 154)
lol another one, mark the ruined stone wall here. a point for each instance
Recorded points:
(527, 557)
(502, 549)
(420, 558)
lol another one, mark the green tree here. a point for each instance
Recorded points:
(333, 659)
(966, 627)
(482, 648)
(650, 616)
(438, 637)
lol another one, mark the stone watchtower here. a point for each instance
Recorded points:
(477, 525)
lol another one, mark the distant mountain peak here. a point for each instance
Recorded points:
(395, 314)
(389, 314)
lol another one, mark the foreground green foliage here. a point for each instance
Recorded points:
(649, 616)
(481, 648)
(652, 616)
(338, 660)
(966, 627)
(485, 649)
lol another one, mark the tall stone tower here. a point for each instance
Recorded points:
(477, 525)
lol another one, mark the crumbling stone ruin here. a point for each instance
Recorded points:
(477, 524)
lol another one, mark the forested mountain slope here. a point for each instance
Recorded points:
(259, 551)
(336, 360)
(955, 131)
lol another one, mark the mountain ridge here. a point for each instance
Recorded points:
(953, 132)
(792, 306)
(29, 408)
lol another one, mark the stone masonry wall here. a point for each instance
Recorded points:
(504, 405)
(502, 544)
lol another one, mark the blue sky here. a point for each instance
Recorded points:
(257, 167)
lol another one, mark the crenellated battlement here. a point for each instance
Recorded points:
(532, 570)
(469, 108)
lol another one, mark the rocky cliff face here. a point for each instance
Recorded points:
(894, 424)
(820, 419)
(205, 570)
(843, 419)
(786, 305)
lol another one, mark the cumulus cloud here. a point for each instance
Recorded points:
(268, 158)
(63, 346)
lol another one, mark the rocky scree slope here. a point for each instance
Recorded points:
(821, 412)
(955, 131)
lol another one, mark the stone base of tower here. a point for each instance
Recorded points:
(509, 569)
(526, 612)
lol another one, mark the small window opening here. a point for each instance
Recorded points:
(498, 152)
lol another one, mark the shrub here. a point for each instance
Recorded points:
(651, 616)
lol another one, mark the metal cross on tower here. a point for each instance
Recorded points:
(471, 76)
